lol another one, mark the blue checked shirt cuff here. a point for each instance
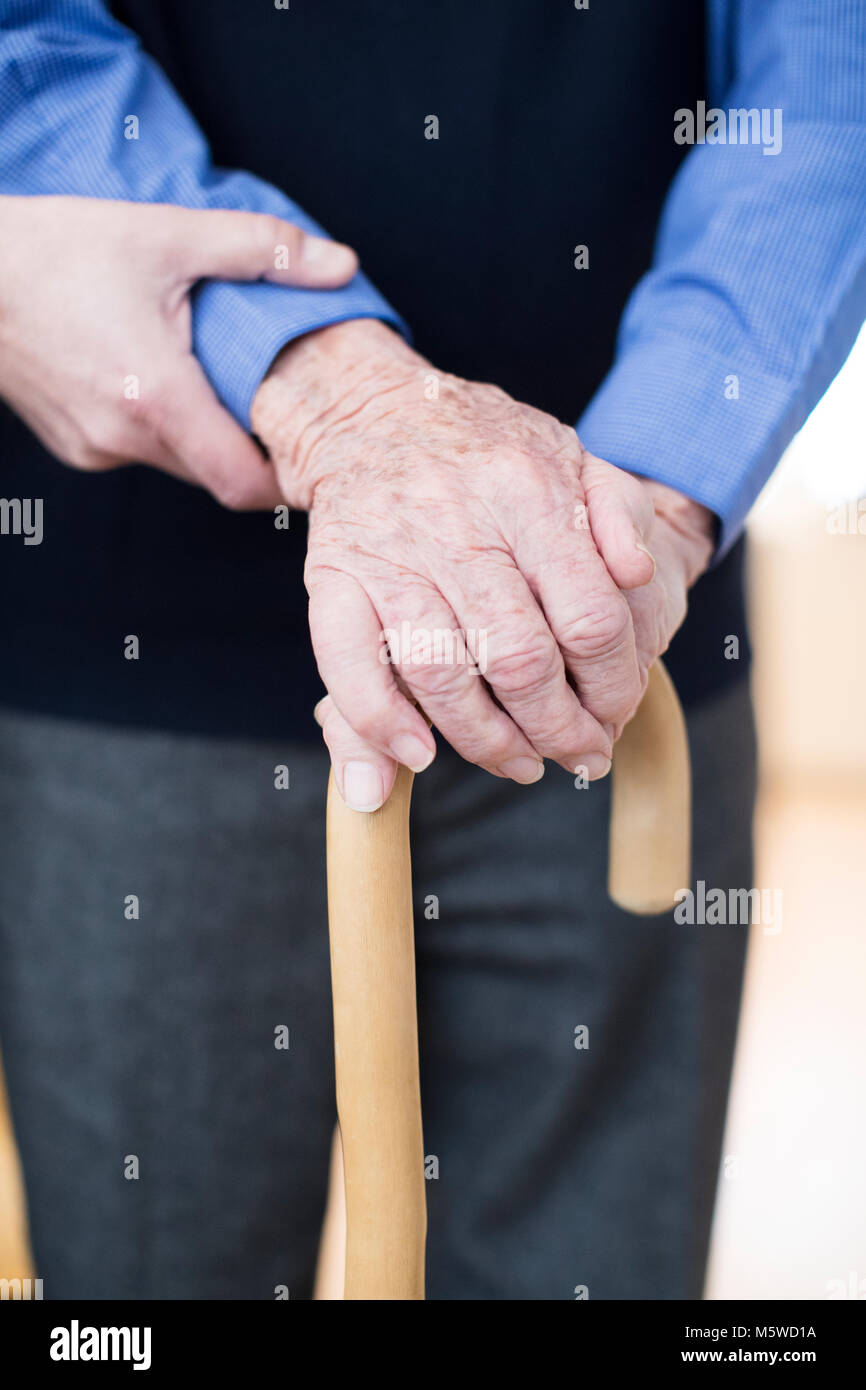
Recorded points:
(238, 329)
(663, 412)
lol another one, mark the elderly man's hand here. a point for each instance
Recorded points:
(441, 506)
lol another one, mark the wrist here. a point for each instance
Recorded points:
(316, 383)
(690, 526)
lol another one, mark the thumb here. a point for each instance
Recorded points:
(364, 776)
(621, 515)
(256, 246)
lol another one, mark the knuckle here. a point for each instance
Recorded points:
(433, 680)
(98, 446)
(83, 455)
(522, 669)
(145, 409)
(368, 719)
(598, 629)
(489, 749)
(562, 742)
(272, 232)
(331, 738)
(568, 740)
(161, 405)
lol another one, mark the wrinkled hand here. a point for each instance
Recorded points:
(95, 331)
(440, 505)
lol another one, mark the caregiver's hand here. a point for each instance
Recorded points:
(443, 506)
(95, 331)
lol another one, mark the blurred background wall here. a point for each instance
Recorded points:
(791, 1212)
(791, 1215)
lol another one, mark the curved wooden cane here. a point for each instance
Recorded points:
(650, 843)
(382, 1227)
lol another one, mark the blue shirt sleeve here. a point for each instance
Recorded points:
(758, 285)
(70, 77)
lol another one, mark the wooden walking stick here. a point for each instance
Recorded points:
(376, 1045)
(373, 977)
(650, 842)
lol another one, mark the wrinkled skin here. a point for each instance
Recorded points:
(468, 511)
(453, 508)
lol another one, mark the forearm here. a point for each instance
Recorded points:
(690, 527)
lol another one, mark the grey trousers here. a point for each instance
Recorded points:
(575, 1061)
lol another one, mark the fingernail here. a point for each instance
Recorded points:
(321, 253)
(640, 545)
(363, 787)
(409, 750)
(523, 769)
(597, 765)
